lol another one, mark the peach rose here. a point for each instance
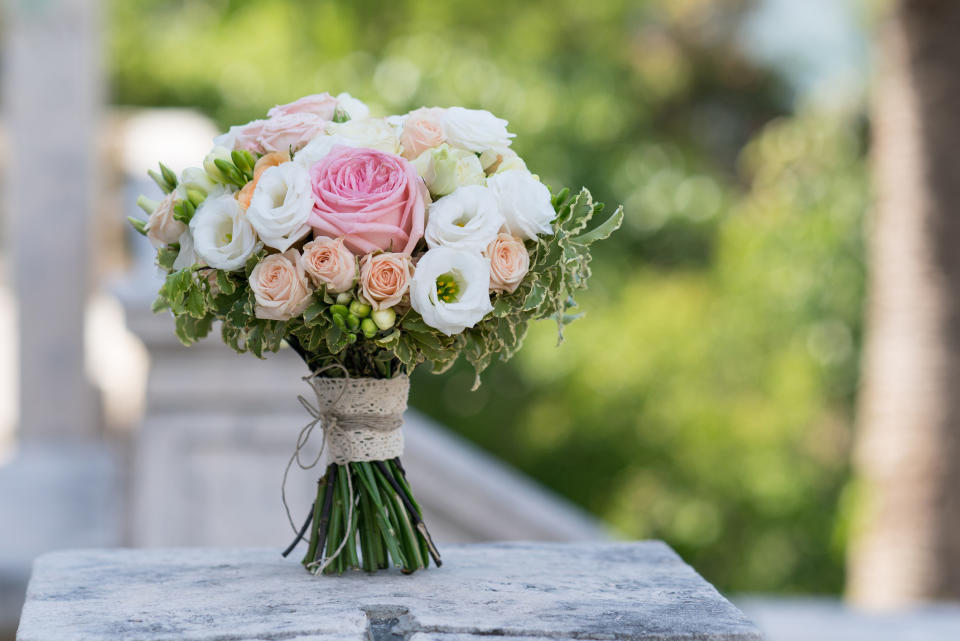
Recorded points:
(318, 104)
(509, 263)
(162, 227)
(272, 159)
(328, 262)
(280, 286)
(384, 279)
(243, 137)
(422, 130)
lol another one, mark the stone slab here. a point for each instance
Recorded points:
(53, 496)
(633, 591)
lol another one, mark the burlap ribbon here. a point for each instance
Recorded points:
(361, 420)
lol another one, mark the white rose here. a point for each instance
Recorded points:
(354, 108)
(317, 149)
(475, 129)
(373, 134)
(524, 202)
(444, 169)
(281, 205)
(450, 289)
(222, 236)
(467, 219)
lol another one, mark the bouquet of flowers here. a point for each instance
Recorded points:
(369, 246)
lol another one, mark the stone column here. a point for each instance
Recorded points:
(52, 106)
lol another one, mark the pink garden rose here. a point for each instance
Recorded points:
(373, 199)
(422, 130)
(290, 130)
(319, 104)
(384, 279)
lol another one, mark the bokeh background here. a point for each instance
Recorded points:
(709, 396)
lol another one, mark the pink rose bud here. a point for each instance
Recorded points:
(384, 279)
(295, 130)
(374, 200)
(509, 263)
(319, 104)
(329, 263)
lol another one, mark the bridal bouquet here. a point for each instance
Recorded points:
(369, 246)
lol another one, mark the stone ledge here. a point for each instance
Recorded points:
(632, 591)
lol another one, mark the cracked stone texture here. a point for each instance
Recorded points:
(505, 591)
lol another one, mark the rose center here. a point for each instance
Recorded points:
(447, 288)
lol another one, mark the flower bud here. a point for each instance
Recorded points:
(353, 323)
(443, 169)
(146, 204)
(210, 166)
(339, 310)
(368, 327)
(196, 179)
(385, 318)
(344, 298)
(361, 310)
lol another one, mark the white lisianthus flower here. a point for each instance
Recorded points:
(354, 108)
(373, 133)
(467, 219)
(444, 169)
(222, 235)
(475, 129)
(524, 202)
(187, 256)
(450, 289)
(280, 208)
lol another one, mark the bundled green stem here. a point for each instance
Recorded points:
(365, 517)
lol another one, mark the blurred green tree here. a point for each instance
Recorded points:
(705, 398)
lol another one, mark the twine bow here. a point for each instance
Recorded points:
(327, 419)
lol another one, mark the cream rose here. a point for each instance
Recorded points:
(328, 262)
(162, 227)
(384, 279)
(373, 133)
(443, 169)
(280, 286)
(422, 130)
(509, 263)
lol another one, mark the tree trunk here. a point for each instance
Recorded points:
(906, 548)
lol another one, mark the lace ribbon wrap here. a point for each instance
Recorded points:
(360, 417)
